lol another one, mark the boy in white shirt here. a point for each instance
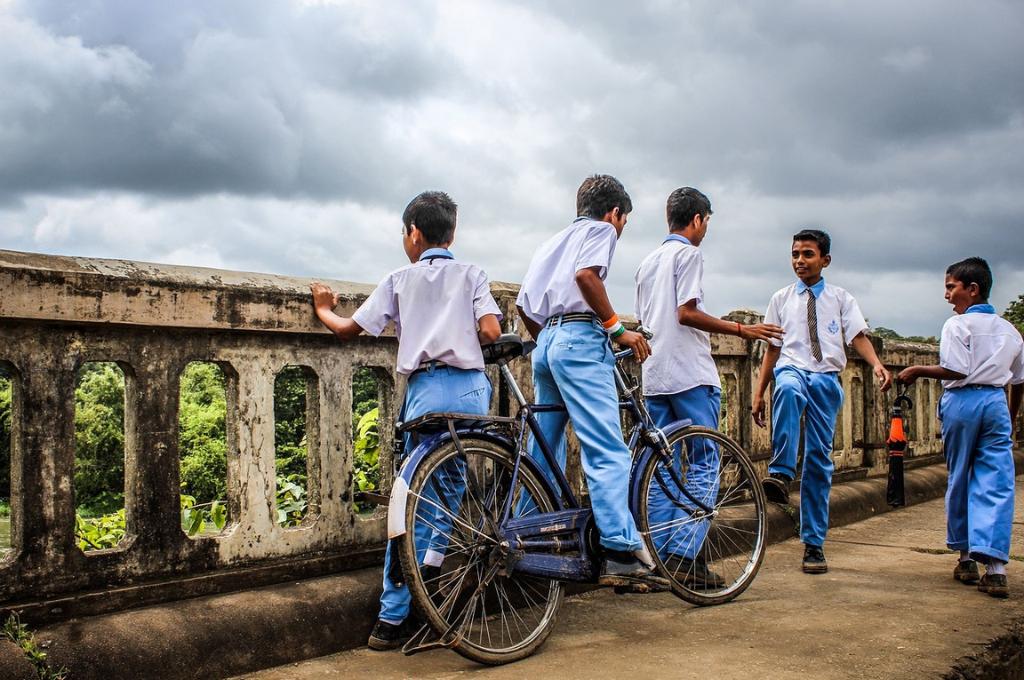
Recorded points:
(443, 311)
(816, 318)
(979, 354)
(680, 379)
(565, 306)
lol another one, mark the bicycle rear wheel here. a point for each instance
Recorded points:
(450, 554)
(710, 557)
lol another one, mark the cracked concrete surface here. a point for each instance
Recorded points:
(888, 608)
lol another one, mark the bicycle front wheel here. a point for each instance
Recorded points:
(451, 554)
(702, 513)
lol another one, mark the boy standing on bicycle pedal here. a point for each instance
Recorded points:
(565, 306)
(817, 317)
(680, 379)
(443, 311)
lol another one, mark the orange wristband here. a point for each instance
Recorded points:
(739, 329)
(611, 323)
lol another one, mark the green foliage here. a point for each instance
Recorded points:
(366, 463)
(99, 432)
(195, 518)
(5, 434)
(18, 633)
(365, 419)
(102, 532)
(890, 334)
(290, 450)
(1015, 313)
(202, 433)
(291, 500)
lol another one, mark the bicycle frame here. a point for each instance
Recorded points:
(529, 541)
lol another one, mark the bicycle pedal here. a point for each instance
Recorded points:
(638, 589)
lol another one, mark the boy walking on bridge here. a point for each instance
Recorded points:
(816, 317)
(680, 378)
(979, 354)
(565, 306)
(443, 311)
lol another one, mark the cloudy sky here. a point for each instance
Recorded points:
(287, 137)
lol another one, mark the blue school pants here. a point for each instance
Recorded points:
(979, 457)
(700, 405)
(817, 397)
(436, 389)
(574, 365)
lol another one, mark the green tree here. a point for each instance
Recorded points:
(202, 435)
(290, 423)
(5, 436)
(1015, 313)
(99, 438)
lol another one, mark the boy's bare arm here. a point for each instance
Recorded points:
(489, 330)
(689, 315)
(530, 324)
(771, 357)
(595, 295)
(866, 350)
(912, 373)
(324, 302)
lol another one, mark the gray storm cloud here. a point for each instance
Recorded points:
(287, 137)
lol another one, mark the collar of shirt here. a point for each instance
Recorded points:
(980, 309)
(816, 289)
(677, 237)
(431, 253)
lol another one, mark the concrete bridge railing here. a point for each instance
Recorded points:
(57, 313)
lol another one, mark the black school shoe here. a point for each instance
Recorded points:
(966, 571)
(628, 574)
(994, 584)
(386, 636)
(814, 560)
(776, 488)
(693, 572)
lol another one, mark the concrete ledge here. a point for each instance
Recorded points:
(222, 635)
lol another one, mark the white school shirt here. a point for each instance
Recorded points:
(549, 287)
(839, 322)
(435, 304)
(983, 346)
(680, 357)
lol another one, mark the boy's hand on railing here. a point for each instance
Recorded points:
(761, 331)
(636, 342)
(757, 411)
(323, 296)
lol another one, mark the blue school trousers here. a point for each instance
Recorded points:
(979, 457)
(574, 365)
(817, 397)
(443, 388)
(700, 405)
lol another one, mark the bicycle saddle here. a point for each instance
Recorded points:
(507, 346)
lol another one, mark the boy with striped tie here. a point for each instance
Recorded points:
(816, 318)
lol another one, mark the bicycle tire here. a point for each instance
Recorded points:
(522, 608)
(730, 544)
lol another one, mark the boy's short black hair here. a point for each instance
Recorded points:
(820, 237)
(434, 213)
(972, 270)
(599, 194)
(683, 205)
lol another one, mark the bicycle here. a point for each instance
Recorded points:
(486, 541)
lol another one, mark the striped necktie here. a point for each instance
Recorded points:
(812, 325)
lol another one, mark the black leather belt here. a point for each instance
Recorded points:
(428, 365)
(573, 317)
